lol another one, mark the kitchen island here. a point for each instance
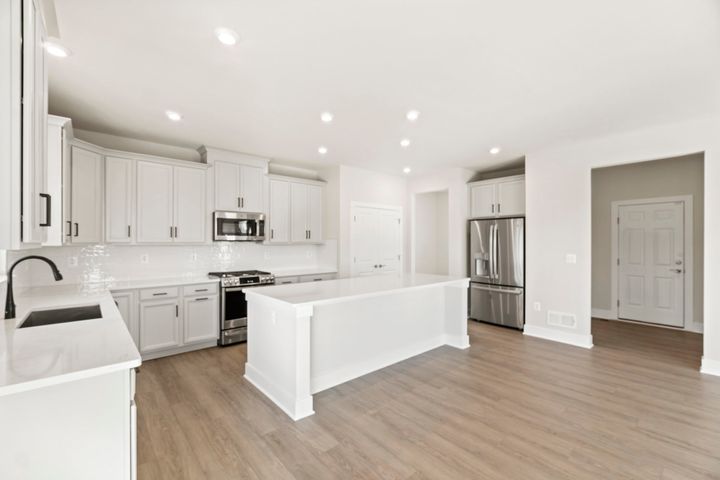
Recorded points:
(305, 338)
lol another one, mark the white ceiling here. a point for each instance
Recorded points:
(521, 74)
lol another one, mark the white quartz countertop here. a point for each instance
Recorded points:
(333, 291)
(46, 355)
(296, 272)
(116, 285)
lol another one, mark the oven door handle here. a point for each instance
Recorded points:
(237, 289)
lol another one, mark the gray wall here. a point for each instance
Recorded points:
(660, 178)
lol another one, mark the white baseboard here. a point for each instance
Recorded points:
(604, 314)
(710, 367)
(175, 351)
(296, 408)
(576, 339)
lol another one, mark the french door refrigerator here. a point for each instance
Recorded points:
(497, 271)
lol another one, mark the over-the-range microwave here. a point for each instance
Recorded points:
(238, 226)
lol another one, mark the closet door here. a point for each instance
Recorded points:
(154, 203)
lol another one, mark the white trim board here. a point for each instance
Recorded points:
(575, 339)
(687, 200)
(710, 367)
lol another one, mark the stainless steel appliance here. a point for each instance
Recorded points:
(497, 271)
(233, 305)
(238, 226)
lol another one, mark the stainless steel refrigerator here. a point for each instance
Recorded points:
(497, 271)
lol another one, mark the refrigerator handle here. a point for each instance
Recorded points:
(496, 260)
(492, 251)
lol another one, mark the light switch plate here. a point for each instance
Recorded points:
(570, 258)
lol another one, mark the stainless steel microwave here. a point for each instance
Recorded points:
(238, 227)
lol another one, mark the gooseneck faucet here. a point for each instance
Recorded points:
(9, 299)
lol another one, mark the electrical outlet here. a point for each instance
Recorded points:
(537, 307)
(72, 261)
(144, 258)
(570, 258)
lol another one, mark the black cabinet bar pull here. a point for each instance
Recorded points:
(77, 229)
(48, 210)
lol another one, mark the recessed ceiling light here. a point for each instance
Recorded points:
(55, 49)
(494, 150)
(413, 115)
(172, 115)
(405, 142)
(326, 117)
(226, 36)
(407, 170)
(322, 150)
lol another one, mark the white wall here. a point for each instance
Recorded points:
(367, 186)
(429, 235)
(559, 222)
(660, 178)
(454, 180)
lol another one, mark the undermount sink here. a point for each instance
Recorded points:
(61, 315)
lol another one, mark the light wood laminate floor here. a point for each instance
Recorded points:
(510, 407)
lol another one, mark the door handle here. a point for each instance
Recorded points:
(242, 202)
(77, 229)
(128, 231)
(48, 210)
(175, 232)
(69, 228)
(238, 198)
(676, 270)
(513, 291)
(201, 299)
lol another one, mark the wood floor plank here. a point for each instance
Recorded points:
(634, 407)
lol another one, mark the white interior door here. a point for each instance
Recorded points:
(376, 240)
(651, 270)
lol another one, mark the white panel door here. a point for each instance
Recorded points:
(482, 201)
(159, 325)
(154, 203)
(651, 263)
(279, 212)
(119, 198)
(251, 189)
(201, 320)
(376, 241)
(189, 209)
(127, 306)
(315, 213)
(87, 198)
(227, 186)
(511, 197)
(298, 212)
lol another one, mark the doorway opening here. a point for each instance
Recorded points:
(430, 233)
(647, 253)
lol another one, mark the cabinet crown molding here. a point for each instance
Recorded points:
(109, 152)
(210, 155)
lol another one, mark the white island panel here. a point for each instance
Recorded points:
(303, 339)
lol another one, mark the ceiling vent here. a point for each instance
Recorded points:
(561, 319)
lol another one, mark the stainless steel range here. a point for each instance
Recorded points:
(233, 305)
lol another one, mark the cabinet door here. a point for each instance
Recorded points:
(56, 148)
(86, 196)
(315, 213)
(511, 197)
(159, 325)
(190, 213)
(279, 212)
(201, 319)
(251, 189)
(227, 186)
(482, 200)
(298, 212)
(34, 139)
(154, 203)
(127, 306)
(119, 218)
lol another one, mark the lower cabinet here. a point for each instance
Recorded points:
(166, 321)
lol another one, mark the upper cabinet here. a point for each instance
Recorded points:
(59, 135)
(497, 197)
(238, 180)
(119, 200)
(296, 210)
(171, 204)
(84, 219)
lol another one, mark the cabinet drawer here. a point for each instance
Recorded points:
(318, 278)
(201, 289)
(158, 293)
(286, 280)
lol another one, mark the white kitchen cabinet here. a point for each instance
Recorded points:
(238, 187)
(286, 280)
(159, 325)
(279, 213)
(314, 213)
(298, 213)
(497, 197)
(86, 196)
(154, 203)
(119, 200)
(317, 278)
(189, 205)
(59, 135)
(127, 305)
(200, 319)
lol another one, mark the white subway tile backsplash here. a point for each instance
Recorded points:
(100, 263)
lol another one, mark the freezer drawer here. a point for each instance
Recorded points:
(501, 305)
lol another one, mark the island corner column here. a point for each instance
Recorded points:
(456, 314)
